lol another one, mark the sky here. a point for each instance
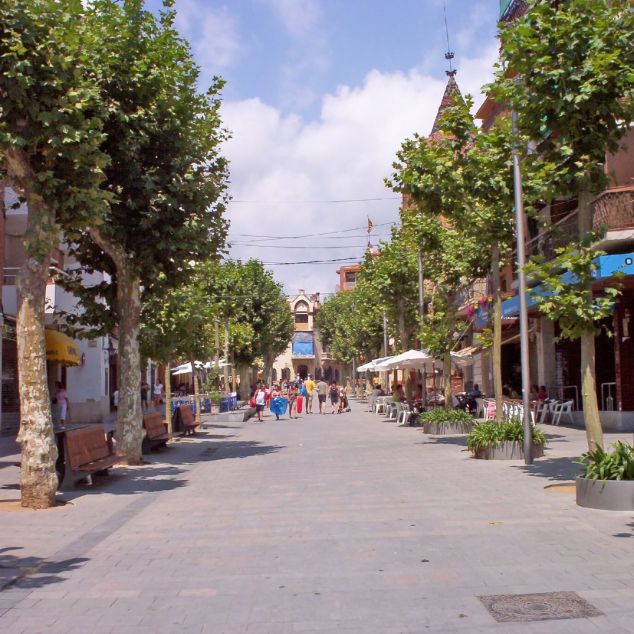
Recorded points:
(320, 95)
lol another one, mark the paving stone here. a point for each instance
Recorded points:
(324, 524)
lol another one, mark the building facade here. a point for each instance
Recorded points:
(305, 354)
(87, 367)
(555, 363)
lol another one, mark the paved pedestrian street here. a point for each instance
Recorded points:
(334, 523)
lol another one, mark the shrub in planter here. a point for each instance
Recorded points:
(446, 421)
(608, 479)
(503, 440)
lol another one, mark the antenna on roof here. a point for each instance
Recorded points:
(449, 55)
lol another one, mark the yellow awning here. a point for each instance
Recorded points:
(61, 348)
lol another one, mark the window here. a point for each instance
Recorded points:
(301, 318)
(351, 276)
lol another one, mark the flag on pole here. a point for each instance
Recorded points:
(370, 226)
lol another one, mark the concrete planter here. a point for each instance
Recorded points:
(607, 495)
(235, 416)
(507, 450)
(440, 429)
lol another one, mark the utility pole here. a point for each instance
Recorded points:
(421, 310)
(521, 261)
(385, 345)
(226, 354)
(421, 286)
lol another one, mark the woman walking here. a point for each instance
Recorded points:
(334, 396)
(292, 397)
(260, 400)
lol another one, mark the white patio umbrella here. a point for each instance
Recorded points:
(186, 368)
(412, 360)
(370, 366)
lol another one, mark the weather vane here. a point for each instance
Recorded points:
(449, 55)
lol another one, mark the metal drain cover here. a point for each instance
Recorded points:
(542, 606)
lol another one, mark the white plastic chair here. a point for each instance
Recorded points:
(480, 408)
(393, 410)
(403, 415)
(380, 405)
(562, 408)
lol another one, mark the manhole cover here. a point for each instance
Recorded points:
(538, 607)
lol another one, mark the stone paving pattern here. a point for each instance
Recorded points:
(343, 523)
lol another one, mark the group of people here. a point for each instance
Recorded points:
(297, 396)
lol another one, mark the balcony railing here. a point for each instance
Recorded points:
(613, 209)
(558, 235)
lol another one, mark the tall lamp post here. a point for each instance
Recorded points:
(521, 261)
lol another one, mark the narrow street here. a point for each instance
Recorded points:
(341, 523)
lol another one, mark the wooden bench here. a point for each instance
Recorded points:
(86, 451)
(187, 420)
(156, 434)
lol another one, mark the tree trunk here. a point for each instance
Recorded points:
(196, 392)
(129, 425)
(38, 479)
(446, 370)
(245, 382)
(168, 397)
(594, 431)
(496, 352)
(268, 369)
(37, 440)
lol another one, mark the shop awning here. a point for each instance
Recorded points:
(607, 266)
(61, 348)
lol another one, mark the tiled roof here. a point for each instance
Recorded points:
(451, 93)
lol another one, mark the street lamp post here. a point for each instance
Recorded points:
(521, 261)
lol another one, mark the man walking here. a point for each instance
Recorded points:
(309, 384)
(322, 392)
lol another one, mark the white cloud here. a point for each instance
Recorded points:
(299, 17)
(308, 51)
(213, 34)
(283, 161)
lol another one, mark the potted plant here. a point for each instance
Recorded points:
(503, 441)
(607, 482)
(446, 421)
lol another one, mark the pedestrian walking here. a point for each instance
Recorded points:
(334, 396)
(292, 393)
(322, 393)
(309, 384)
(61, 398)
(145, 389)
(342, 399)
(260, 401)
(157, 393)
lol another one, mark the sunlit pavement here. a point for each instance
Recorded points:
(328, 523)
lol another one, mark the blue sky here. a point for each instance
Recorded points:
(320, 94)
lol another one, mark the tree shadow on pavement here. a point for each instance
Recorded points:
(148, 478)
(32, 572)
(237, 449)
(556, 469)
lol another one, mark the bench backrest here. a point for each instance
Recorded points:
(187, 415)
(153, 424)
(86, 444)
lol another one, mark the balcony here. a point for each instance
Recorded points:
(613, 212)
